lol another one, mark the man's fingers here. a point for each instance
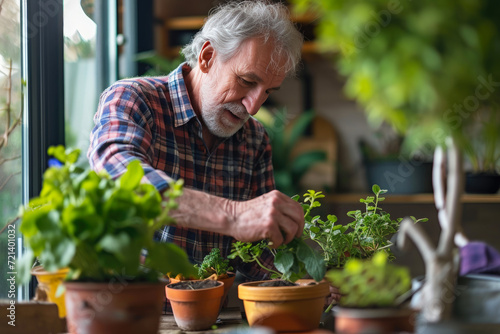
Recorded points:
(289, 229)
(276, 237)
(294, 216)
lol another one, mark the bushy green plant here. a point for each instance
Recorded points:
(97, 226)
(400, 60)
(369, 232)
(213, 263)
(370, 282)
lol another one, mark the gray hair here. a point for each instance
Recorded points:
(230, 25)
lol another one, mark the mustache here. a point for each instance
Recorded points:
(237, 110)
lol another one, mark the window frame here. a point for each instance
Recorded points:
(42, 71)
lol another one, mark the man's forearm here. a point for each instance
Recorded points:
(203, 211)
(273, 216)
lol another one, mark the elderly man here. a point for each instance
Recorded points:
(196, 124)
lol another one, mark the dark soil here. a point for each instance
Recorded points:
(277, 283)
(194, 285)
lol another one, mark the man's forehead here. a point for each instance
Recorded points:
(258, 56)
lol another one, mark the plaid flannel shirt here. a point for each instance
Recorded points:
(151, 119)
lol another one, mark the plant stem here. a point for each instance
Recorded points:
(266, 268)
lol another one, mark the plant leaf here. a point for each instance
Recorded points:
(313, 261)
(283, 261)
(132, 177)
(169, 258)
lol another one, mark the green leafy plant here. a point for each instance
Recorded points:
(482, 145)
(159, 65)
(292, 261)
(369, 232)
(97, 226)
(289, 169)
(370, 282)
(399, 60)
(213, 264)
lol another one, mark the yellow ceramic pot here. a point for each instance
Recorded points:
(48, 283)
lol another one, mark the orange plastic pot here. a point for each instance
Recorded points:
(284, 308)
(195, 310)
(114, 307)
(49, 282)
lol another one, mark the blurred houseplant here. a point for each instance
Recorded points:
(482, 151)
(158, 65)
(389, 163)
(97, 227)
(372, 294)
(400, 63)
(284, 135)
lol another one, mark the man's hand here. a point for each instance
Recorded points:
(273, 216)
(334, 296)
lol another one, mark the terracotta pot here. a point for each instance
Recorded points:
(113, 307)
(284, 308)
(48, 283)
(195, 309)
(228, 282)
(376, 320)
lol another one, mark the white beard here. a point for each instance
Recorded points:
(214, 118)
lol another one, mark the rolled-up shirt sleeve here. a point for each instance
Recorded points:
(123, 132)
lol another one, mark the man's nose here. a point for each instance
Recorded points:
(253, 100)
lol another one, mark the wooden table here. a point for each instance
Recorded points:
(230, 318)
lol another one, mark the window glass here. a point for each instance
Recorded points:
(80, 94)
(10, 141)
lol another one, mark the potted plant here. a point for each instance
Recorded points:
(214, 267)
(369, 232)
(195, 303)
(48, 287)
(373, 294)
(388, 163)
(288, 303)
(97, 227)
(481, 150)
(288, 167)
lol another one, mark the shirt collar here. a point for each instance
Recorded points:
(183, 110)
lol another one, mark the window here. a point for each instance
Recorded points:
(49, 86)
(11, 138)
(80, 91)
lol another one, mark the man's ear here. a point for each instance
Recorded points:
(206, 57)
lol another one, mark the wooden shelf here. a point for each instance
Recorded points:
(185, 23)
(194, 23)
(410, 199)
